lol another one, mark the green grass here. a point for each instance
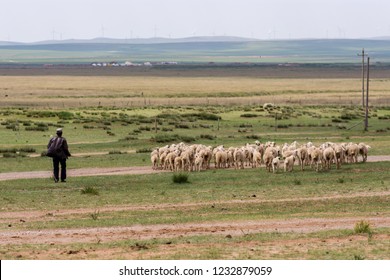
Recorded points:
(180, 178)
(214, 195)
(218, 186)
(90, 190)
(301, 123)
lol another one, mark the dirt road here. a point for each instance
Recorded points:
(131, 170)
(145, 232)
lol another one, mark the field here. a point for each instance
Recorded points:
(113, 118)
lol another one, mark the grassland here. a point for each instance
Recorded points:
(225, 197)
(220, 214)
(67, 87)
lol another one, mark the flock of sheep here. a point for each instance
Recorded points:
(197, 157)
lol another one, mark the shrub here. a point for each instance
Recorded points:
(14, 127)
(187, 139)
(349, 116)
(165, 129)
(180, 178)
(8, 150)
(297, 182)
(253, 136)
(95, 215)
(129, 138)
(203, 116)
(90, 190)
(183, 126)
(341, 180)
(9, 155)
(358, 257)
(36, 128)
(363, 227)
(245, 125)
(65, 115)
(144, 150)
(208, 136)
(164, 138)
(248, 115)
(27, 150)
(168, 116)
(144, 128)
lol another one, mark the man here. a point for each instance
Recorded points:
(58, 150)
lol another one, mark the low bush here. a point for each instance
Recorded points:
(144, 150)
(248, 115)
(208, 136)
(164, 138)
(64, 115)
(297, 182)
(180, 178)
(90, 190)
(363, 227)
(203, 116)
(183, 126)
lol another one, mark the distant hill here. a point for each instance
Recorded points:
(196, 49)
(9, 43)
(155, 40)
(381, 38)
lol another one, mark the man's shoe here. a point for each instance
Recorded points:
(63, 181)
(55, 180)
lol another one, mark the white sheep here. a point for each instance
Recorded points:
(221, 159)
(363, 151)
(328, 156)
(275, 164)
(316, 158)
(269, 154)
(239, 158)
(289, 163)
(198, 162)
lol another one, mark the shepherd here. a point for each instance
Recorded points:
(57, 148)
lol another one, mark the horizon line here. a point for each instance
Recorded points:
(221, 37)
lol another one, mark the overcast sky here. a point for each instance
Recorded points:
(36, 20)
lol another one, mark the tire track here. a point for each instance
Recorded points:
(139, 232)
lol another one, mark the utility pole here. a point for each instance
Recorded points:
(368, 83)
(362, 55)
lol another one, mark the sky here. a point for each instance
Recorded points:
(38, 20)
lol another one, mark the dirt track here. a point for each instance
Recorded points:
(108, 234)
(133, 170)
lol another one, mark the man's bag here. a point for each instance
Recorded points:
(54, 149)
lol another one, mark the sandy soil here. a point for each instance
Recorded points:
(141, 232)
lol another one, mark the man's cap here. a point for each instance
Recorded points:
(59, 130)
